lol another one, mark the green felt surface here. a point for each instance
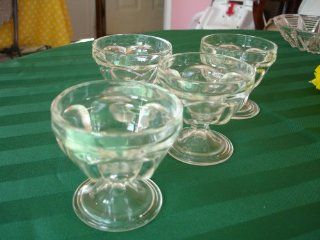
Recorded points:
(269, 189)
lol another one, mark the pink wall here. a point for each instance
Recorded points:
(184, 10)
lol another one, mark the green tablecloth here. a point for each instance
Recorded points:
(269, 189)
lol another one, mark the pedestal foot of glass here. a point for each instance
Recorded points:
(249, 110)
(202, 147)
(115, 206)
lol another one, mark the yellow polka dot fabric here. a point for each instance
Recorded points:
(41, 22)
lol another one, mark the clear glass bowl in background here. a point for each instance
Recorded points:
(300, 31)
(117, 133)
(212, 88)
(259, 52)
(130, 56)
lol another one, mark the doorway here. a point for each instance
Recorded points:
(133, 16)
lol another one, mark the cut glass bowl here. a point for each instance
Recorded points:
(301, 31)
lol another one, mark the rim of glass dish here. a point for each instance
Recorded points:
(275, 46)
(208, 54)
(161, 53)
(276, 18)
(57, 118)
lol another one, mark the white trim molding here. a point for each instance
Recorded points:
(167, 14)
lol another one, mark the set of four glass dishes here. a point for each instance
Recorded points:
(118, 130)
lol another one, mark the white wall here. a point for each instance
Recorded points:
(82, 14)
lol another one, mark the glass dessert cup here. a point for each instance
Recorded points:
(212, 87)
(117, 133)
(259, 52)
(130, 56)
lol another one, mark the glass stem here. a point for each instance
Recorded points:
(103, 184)
(201, 126)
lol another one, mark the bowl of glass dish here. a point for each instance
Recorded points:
(300, 31)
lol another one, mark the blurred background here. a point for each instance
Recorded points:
(34, 25)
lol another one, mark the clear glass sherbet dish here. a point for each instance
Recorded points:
(130, 56)
(259, 52)
(300, 31)
(212, 88)
(117, 133)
